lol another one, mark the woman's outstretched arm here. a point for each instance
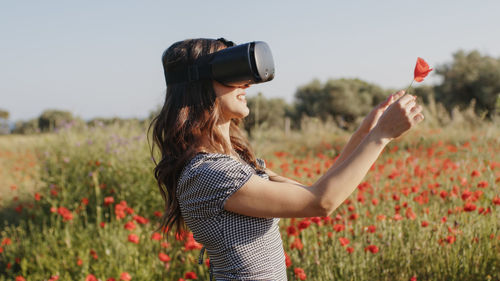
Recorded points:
(366, 126)
(262, 198)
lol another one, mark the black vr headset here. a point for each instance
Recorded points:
(237, 65)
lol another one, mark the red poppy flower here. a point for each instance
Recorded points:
(156, 236)
(125, 276)
(163, 257)
(133, 238)
(343, 241)
(190, 275)
(372, 248)
(292, 231)
(129, 225)
(421, 70)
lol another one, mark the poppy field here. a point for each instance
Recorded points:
(83, 205)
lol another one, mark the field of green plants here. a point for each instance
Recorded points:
(82, 204)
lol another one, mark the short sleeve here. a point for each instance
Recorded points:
(207, 183)
(261, 162)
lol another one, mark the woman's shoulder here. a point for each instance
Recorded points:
(203, 162)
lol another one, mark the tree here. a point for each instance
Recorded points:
(343, 99)
(265, 113)
(470, 76)
(52, 119)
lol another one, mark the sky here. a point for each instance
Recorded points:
(103, 58)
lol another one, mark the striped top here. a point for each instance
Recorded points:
(240, 247)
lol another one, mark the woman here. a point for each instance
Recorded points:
(212, 182)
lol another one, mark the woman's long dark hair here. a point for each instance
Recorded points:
(188, 121)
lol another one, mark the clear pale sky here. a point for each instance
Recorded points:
(102, 58)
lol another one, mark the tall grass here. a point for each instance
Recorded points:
(412, 216)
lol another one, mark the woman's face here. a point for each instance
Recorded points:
(232, 101)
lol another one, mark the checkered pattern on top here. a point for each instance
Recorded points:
(240, 247)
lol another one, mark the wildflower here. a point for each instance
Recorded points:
(292, 231)
(20, 278)
(482, 184)
(297, 244)
(133, 238)
(371, 228)
(37, 196)
(372, 248)
(156, 236)
(6, 241)
(410, 214)
(496, 200)
(54, 278)
(469, 207)
(421, 70)
(303, 224)
(299, 272)
(343, 241)
(90, 277)
(125, 276)
(108, 200)
(140, 220)
(350, 250)
(450, 239)
(129, 225)
(65, 213)
(425, 223)
(190, 275)
(397, 217)
(163, 257)
(338, 227)
(85, 201)
(93, 254)
(288, 260)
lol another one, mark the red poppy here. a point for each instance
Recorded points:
(421, 70)
(156, 236)
(125, 276)
(372, 248)
(129, 225)
(343, 241)
(469, 207)
(140, 220)
(292, 231)
(133, 238)
(297, 244)
(108, 200)
(338, 227)
(190, 275)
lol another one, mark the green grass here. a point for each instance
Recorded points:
(73, 166)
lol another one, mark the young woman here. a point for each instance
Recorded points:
(212, 182)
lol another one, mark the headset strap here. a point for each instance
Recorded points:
(200, 69)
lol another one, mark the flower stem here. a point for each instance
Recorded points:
(407, 89)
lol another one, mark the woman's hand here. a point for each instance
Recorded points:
(372, 118)
(399, 117)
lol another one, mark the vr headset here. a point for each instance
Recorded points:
(239, 65)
